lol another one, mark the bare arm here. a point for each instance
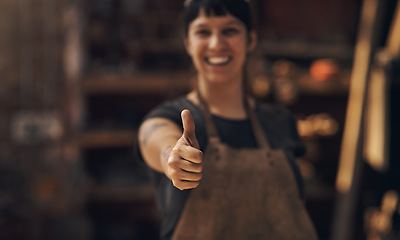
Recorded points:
(167, 150)
(157, 137)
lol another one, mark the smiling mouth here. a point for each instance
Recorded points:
(218, 61)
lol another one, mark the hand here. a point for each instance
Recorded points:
(184, 166)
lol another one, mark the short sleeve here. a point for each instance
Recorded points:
(166, 110)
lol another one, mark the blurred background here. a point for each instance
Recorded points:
(78, 76)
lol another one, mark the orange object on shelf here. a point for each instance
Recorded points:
(324, 69)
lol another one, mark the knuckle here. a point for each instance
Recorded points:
(172, 163)
(174, 174)
(176, 150)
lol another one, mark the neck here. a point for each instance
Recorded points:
(224, 99)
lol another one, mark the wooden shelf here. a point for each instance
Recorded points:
(333, 87)
(165, 84)
(108, 138)
(140, 84)
(299, 49)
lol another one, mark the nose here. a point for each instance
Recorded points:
(217, 42)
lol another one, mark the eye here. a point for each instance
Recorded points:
(230, 31)
(203, 32)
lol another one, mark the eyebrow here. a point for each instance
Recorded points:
(231, 22)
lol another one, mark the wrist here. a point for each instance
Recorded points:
(164, 156)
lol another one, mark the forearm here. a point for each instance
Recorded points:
(168, 149)
(157, 137)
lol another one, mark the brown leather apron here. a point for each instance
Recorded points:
(245, 194)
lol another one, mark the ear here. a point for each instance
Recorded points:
(252, 41)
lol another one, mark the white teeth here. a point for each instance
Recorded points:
(218, 60)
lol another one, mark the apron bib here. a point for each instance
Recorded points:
(245, 194)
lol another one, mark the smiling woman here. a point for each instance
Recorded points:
(224, 164)
(218, 47)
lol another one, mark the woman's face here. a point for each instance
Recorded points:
(218, 46)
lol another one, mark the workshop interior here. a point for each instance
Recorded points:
(78, 77)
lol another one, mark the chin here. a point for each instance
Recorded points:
(219, 79)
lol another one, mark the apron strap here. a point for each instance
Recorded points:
(258, 131)
(211, 128)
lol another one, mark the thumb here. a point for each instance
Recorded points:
(189, 128)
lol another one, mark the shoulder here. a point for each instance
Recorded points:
(172, 109)
(169, 109)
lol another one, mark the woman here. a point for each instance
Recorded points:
(224, 164)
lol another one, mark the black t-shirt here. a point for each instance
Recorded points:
(278, 124)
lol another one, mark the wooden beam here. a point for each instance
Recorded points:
(350, 163)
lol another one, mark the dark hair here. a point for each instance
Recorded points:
(238, 8)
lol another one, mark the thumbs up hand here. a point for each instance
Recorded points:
(189, 134)
(184, 166)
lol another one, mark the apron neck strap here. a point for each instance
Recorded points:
(254, 121)
(209, 123)
(258, 131)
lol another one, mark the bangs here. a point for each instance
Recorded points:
(238, 8)
(211, 8)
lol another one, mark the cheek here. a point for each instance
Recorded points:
(240, 44)
(195, 50)
(241, 49)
